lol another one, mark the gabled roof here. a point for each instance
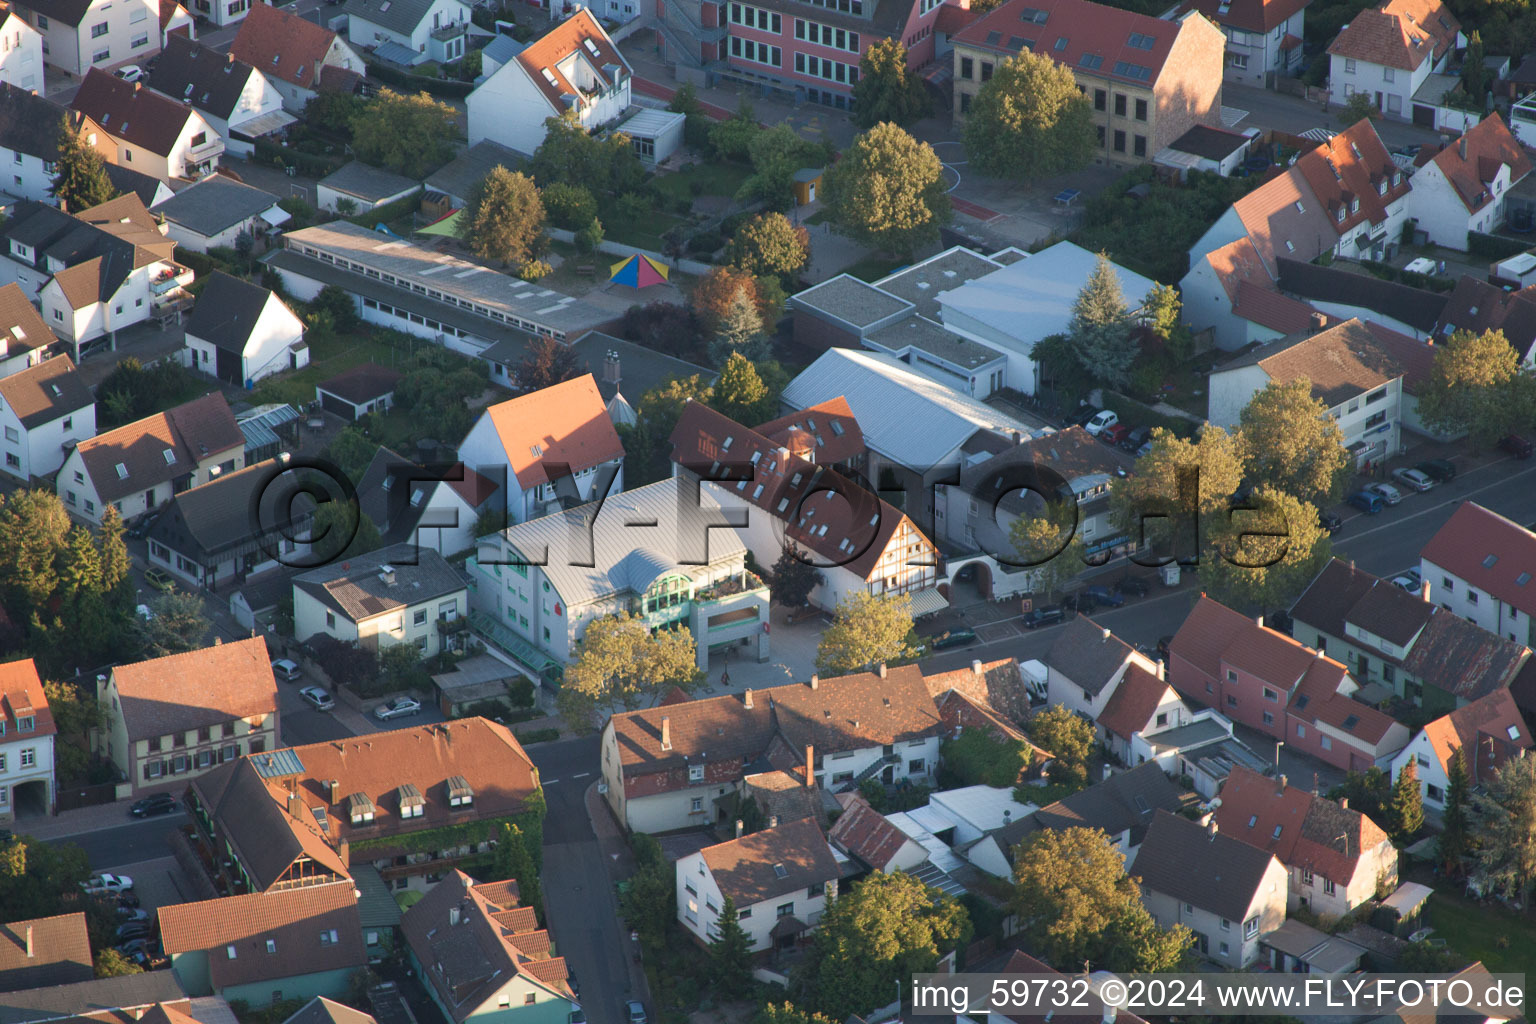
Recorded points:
(459, 176)
(1417, 307)
(189, 72)
(1341, 363)
(1267, 307)
(231, 680)
(1491, 553)
(146, 186)
(99, 247)
(565, 423)
(22, 696)
(1343, 595)
(1130, 707)
(1261, 16)
(579, 34)
(393, 513)
(827, 428)
(785, 795)
(228, 308)
(45, 951)
(1353, 178)
(215, 204)
(1088, 654)
(372, 184)
(280, 44)
(358, 589)
(771, 863)
(1107, 42)
(46, 392)
(30, 123)
(68, 12)
(1320, 699)
(996, 685)
(1213, 635)
(1203, 867)
(363, 383)
(1283, 218)
(1016, 962)
(193, 431)
(400, 16)
(1301, 829)
(1477, 305)
(1488, 732)
(1073, 454)
(122, 998)
(1124, 802)
(867, 834)
(269, 936)
(1399, 34)
(321, 1010)
(246, 511)
(128, 111)
(1471, 163)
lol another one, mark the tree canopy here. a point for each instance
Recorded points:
(1050, 544)
(1100, 329)
(571, 156)
(647, 442)
(1264, 559)
(768, 245)
(887, 191)
(410, 135)
(179, 624)
(730, 955)
(80, 180)
(1455, 841)
(1068, 738)
(887, 90)
(794, 577)
(619, 661)
(741, 394)
(1029, 121)
(1291, 443)
(1476, 387)
(547, 363)
(1177, 487)
(740, 332)
(512, 859)
(504, 219)
(1504, 817)
(866, 630)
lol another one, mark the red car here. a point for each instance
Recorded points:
(1115, 434)
(1516, 445)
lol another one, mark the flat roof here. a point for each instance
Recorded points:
(921, 333)
(857, 303)
(648, 124)
(448, 279)
(921, 283)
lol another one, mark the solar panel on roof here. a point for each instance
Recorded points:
(1091, 61)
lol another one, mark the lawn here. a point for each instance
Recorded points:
(328, 356)
(1503, 939)
(644, 231)
(873, 267)
(720, 178)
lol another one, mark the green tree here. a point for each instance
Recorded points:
(978, 757)
(1455, 842)
(1163, 309)
(178, 624)
(1367, 792)
(1474, 77)
(1029, 121)
(1050, 545)
(886, 929)
(546, 363)
(351, 452)
(80, 180)
(1292, 444)
(568, 206)
(714, 295)
(620, 662)
(34, 530)
(696, 125)
(76, 715)
(887, 191)
(1405, 812)
(1264, 558)
(511, 859)
(887, 90)
(731, 139)
(112, 964)
(740, 393)
(113, 557)
(740, 332)
(570, 155)
(342, 532)
(1068, 738)
(794, 577)
(768, 245)
(1356, 109)
(400, 668)
(866, 630)
(1073, 897)
(650, 905)
(339, 304)
(648, 442)
(1476, 387)
(589, 237)
(730, 955)
(788, 1013)
(776, 153)
(1504, 821)
(504, 219)
(1177, 486)
(39, 879)
(1100, 329)
(410, 135)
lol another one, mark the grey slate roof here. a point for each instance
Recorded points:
(390, 510)
(126, 179)
(397, 15)
(1417, 307)
(126, 991)
(223, 516)
(227, 310)
(215, 204)
(200, 75)
(29, 123)
(459, 176)
(355, 590)
(67, 11)
(1214, 872)
(1088, 654)
(1123, 802)
(370, 183)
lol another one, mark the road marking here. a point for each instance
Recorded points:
(581, 775)
(1469, 496)
(549, 782)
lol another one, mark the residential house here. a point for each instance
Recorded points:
(437, 506)
(871, 837)
(157, 737)
(1346, 196)
(667, 767)
(550, 448)
(31, 126)
(223, 13)
(240, 332)
(1204, 748)
(1142, 705)
(1336, 857)
(26, 742)
(217, 211)
(1388, 53)
(1422, 652)
(1203, 148)
(458, 177)
(997, 696)
(43, 411)
(78, 37)
(786, 795)
(1354, 377)
(1480, 565)
(1121, 806)
(298, 56)
(233, 97)
(1479, 305)
(357, 188)
(24, 338)
(782, 499)
(45, 951)
(965, 819)
(1086, 664)
(143, 464)
(409, 32)
(394, 595)
(379, 500)
(539, 584)
(1464, 186)
(353, 394)
(321, 1010)
(298, 815)
(575, 67)
(1014, 962)
(21, 52)
(1150, 79)
(175, 20)
(266, 947)
(1343, 294)
(780, 881)
(154, 133)
(155, 997)
(1263, 38)
(483, 956)
(238, 525)
(836, 441)
(1230, 894)
(95, 272)
(151, 190)
(1267, 681)
(1486, 733)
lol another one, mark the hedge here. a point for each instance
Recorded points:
(308, 164)
(1140, 414)
(389, 212)
(1494, 246)
(537, 736)
(419, 83)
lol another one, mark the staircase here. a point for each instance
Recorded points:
(874, 768)
(684, 33)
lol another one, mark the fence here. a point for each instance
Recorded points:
(74, 797)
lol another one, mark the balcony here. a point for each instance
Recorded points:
(170, 278)
(744, 582)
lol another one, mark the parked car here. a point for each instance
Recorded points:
(1047, 616)
(1441, 471)
(142, 944)
(129, 72)
(400, 707)
(1133, 586)
(1386, 492)
(102, 884)
(159, 803)
(1330, 521)
(132, 930)
(954, 638)
(158, 578)
(1085, 414)
(1368, 502)
(132, 914)
(1405, 583)
(1413, 479)
(1514, 444)
(287, 670)
(635, 1010)
(141, 525)
(129, 900)
(1115, 434)
(318, 698)
(1136, 438)
(1101, 422)
(1105, 597)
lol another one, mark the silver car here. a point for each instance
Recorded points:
(318, 698)
(1413, 479)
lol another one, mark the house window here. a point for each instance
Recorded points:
(1226, 925)
(528, 999)
(695, 773)
(986, 71)
(1349, 66)
(916, 766)
(97, 31)
(1431, 790)
(1231, 701)
(419, 618)
(967, 68)
(1141, 110)
(1119, 142)
(28, 758)
(1326, 742)
(330, 620)
(1269, 718)
(1301, 731)
(1329, 888)
(1119, 104)
(696, 805)
(1139, 147)
(1100, 100)
(1271, 695)
(1471, 596)
(786, 909)
(1231, 675)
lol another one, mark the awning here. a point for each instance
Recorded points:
(786, 926)
(1290, 42)
(264, 124)
(926, 602)
(276, 216)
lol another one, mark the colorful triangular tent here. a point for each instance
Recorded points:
(639, 271)
(448, 225)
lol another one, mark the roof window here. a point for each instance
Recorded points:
(1277, 831)
(1141, 41)
(1351, 722)
(1490, 561)
(122, 471)
(1253, 819)
(1514, 732)
(1091, 61)
(170, 457)
(1522, 579)
(780, 871)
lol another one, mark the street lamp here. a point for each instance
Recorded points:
(1278, 745)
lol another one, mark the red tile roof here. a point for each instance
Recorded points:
(1075, 31)
(1318, 700)
(953, 18)
(777, 861)
(1348, 174)
(579, 34)
(1261, 16)
(131, 112)
(281, 44)
(1302, 830)
(1214, 635)
(1131, 706)
(565, 423)
(1284, 218)
(1268, 308)
(830, 433)
(1341, 363)
(1400, 34)
(1417, 358)
(1472, 162)
(22, 696)
(866, 834)
(232, 681)
(45, 952)
(1237, 263)
(1488, 731)
(1023, 963)
(1491, 553)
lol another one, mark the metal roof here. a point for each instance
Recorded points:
(277, 763)
(258, 427)
(648, 124)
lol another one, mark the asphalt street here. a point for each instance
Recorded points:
(129, 843)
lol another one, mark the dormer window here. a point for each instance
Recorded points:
(459, 793)
(1340, 215)
(360, 809)
(1354, 205)
(412, 804)
(1381, 187)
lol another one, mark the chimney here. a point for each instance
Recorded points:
(218, 640)
(229, 58)
(740, 826)
(810, 765)
(746, 697)
(611, 367)
(1461, 146)
(666, 733)
(453, 915)
(882, 670)
(1162, 670)
(295, 806)
(1258, 620)
(1211, 830)
(1344, 803)
(773, 821)
(976, 668)
(1281, 790)
(1424, 591)
(31, 953)
(1319, 321)
(330, 789)
(815, 681)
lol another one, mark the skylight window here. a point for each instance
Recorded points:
(1091, 61)
(993, 38)
(1140, 41)
(1522, 579)
(170, 457)
(1514, 732)
(591, 47)
(1301, 701)
(1020, 43)
(725, 446)
(837, 428)
(537, 450)
(780, 871)
(1061, 44)
(1351, 722)
(1277, 831)
(1490, 561)
(1253, 819)
(122, 471)
(549, 76)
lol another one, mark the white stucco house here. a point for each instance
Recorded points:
(394, 595)
(21, 52)
(24, 338)
(1486, 732)
(574, 69)
(43, 410)
(1389, 51)
(1480, 565)
(1464, 186)
(409, 32)
(154, 134)
(296, 55)
(240, 332)
(237, 100)
(216, 211)
(26, 742)
(1086, 664)
(1264, 37)
(96, 34)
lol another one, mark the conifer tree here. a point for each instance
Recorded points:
(81, 181)
(730, 954)
(1406, 808)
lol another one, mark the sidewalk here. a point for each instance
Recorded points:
(621, 865)
(75, 822)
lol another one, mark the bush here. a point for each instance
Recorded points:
(533, 270)
(520, 692)
(411, 83)
(569, 207)
(1495, 247)
(302, 213)
(346, 664)
(705, 241)
(310, 165)
(537, 736)
(389, 212)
